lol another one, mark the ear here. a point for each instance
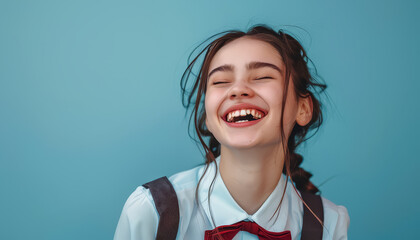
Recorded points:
(305, 108)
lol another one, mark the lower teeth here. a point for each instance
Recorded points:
(242, 121)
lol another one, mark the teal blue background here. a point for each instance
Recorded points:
(90, 106)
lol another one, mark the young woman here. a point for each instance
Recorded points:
(259, 104)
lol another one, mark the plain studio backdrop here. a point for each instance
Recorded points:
(90, 106)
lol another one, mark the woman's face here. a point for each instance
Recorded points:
(244, 95)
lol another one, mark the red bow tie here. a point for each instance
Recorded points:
(227, 232)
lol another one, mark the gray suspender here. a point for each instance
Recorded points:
(311, 228)
(166, 204)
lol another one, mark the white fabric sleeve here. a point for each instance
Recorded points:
(336, 221)
(139, 217)
(342, 225)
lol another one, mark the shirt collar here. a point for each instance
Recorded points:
(226, 211)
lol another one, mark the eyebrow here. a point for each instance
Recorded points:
(249, 66)
(223, 68)
(256, 65)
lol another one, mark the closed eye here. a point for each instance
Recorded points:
(266, 77)
(215, 83)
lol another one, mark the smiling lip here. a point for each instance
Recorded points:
(243, 106)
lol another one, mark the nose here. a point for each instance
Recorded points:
(240, 90)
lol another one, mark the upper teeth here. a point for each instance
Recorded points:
(243, 112)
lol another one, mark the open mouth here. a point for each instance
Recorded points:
(243, 115)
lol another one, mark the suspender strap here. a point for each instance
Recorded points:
(166, 203)
(312, 229)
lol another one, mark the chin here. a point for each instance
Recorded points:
(241, 144)
(248, 144)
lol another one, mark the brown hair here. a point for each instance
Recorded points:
(296, 64)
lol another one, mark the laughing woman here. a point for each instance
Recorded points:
(259, 104)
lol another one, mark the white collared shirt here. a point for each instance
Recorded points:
(139, 217)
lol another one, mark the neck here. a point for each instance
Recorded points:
(251, 175)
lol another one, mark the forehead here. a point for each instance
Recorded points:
(244, 50)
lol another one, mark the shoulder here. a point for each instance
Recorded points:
(139, 216)
(336, 217)
(141, 201)
(336, 220)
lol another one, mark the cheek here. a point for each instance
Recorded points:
(210, 121)
(275, 96)
(290, 112)
(209, 107)
(211, 104)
